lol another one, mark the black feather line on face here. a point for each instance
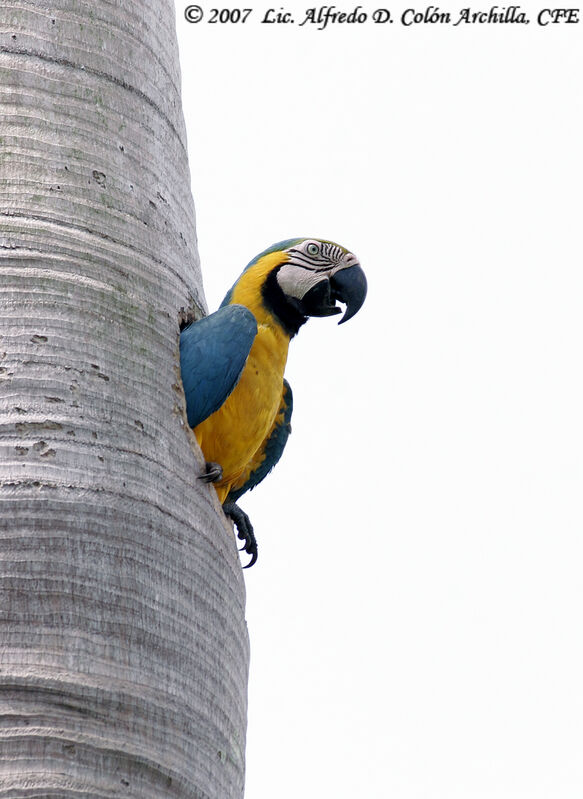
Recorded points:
(315, 263)
(286, 309)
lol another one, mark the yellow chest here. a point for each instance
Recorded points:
(233, 434)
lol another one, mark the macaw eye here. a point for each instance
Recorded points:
(312, 249)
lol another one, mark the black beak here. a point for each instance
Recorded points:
(349, 286)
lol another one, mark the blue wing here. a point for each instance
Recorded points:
(272, 448)
(213, 352)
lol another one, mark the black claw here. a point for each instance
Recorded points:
(213, 472)
(186, 317)
(244, 530)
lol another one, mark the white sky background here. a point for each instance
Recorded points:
(415, 613)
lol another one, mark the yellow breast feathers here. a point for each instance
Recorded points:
(232, 435)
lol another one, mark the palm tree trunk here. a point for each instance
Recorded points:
(123, 646)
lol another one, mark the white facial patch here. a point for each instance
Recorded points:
(296, 281)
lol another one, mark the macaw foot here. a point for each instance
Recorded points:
(213, 472)
(186, 317)
(244, 530)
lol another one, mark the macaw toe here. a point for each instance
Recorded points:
(244, 530)
(212, 474)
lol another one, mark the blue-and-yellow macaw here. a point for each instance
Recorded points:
(232, 362)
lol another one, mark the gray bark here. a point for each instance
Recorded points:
(123, 646)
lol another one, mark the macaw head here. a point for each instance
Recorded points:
(300, 278)
(317, 274)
